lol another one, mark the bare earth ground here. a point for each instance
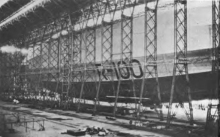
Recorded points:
(55, 123)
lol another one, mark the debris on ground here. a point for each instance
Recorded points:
(100, 131)
(41, 127)
(110, 118)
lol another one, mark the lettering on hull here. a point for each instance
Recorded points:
(126, 70)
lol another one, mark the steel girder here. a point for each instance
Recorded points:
(65, 66)
(180, 69)
(126, 54)
(106, 50)
(44, 58)
(77, 64)
(150, 54)
(215, 61)
(65, 59)
(216, 42)
(89, 74)
(90, 59)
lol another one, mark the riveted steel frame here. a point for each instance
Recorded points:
(215, 57)
(126, 54)
(53, 69)
(216, 42)
(180, 58)
(83, 22)
(94, 11)
(106, 49)
(43, 64)
(65, 66)
(150, 54)
(89, 61)
(65, 58)
(35, 63)
(77, 63)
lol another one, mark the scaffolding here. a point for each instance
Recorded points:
(150, 54)
(64, 62)
(106, 67)
(180, 69)
(215, 63)
(126, 53)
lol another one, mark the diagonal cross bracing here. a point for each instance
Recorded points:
(106, 49)
(180, 68)
(215, 60)
(150, 54)
(126, 54)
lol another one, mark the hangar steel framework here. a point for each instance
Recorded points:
(63, 55)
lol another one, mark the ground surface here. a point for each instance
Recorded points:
(57, 121)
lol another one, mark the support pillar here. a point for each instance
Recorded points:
(180, 68)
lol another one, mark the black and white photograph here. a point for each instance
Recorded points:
(109, 68)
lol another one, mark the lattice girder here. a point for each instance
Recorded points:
(126, 54)
(180, 60)
(150, 54)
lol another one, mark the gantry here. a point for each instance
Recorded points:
(63, 69)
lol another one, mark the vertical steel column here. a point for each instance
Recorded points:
(83, 73)
(53, 64)
(26, 82)
(21, 71)
(180, 55)
(126, 46)
(90, 48)
(65, 46)
(29, 58)
(35, 40)
(55, 56)
(92, 13)
(150, 53)
(106, 46)
(77, 62)
(90, 58)
(28, 69)
(215, 56)
(65, 66)
(44, 66)
(51, 51)
(79, 67)
(216, 42)
(42, 62)
(36, 64)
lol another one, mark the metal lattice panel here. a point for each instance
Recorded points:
(65, 65)
(89, 73)
(180, 84)
(126, 54)
(215, 61)
(77, 58)
(216, 39)
(150, 53)
(105, 69)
